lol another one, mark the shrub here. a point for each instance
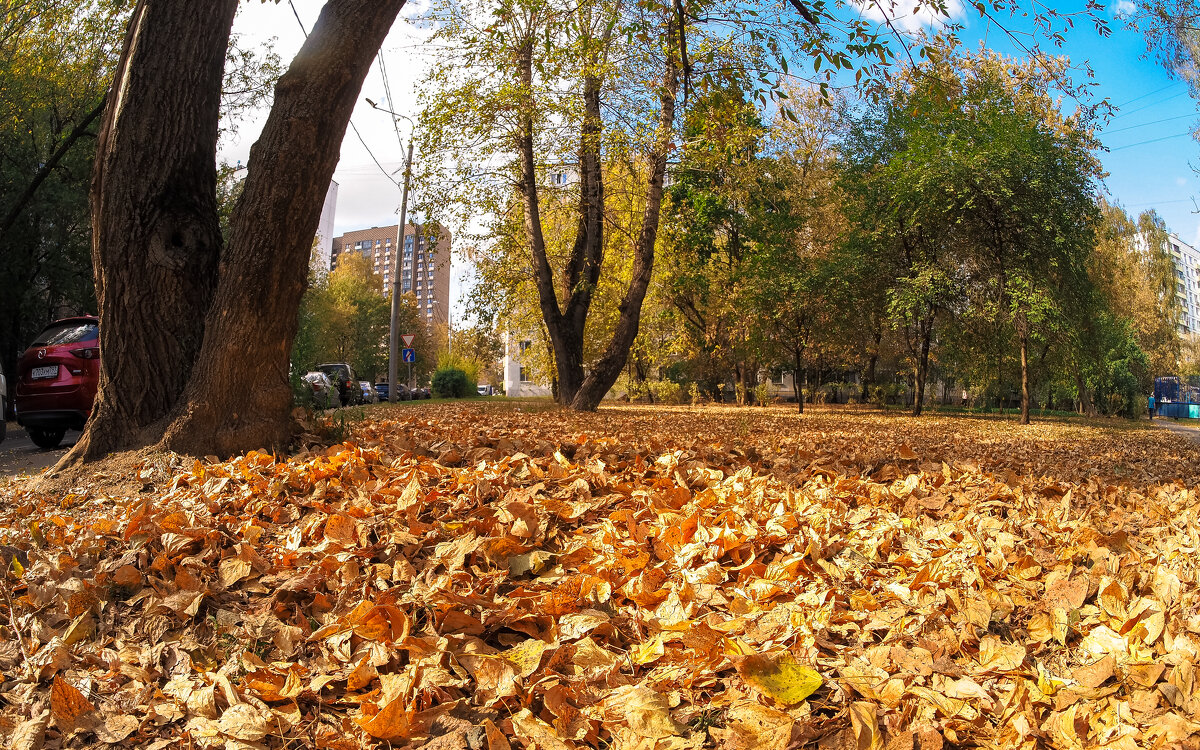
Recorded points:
(666, 391)
(451, 382)
(694, 394)
(762, 393)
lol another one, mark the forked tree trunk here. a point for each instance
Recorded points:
(239, 393)
(196, 337)
(577, 389)
(155, 233)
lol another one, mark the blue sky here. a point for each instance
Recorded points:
(1150, 162)
(1151, 153)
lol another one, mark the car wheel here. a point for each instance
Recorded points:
(46, 437)
(3, 424)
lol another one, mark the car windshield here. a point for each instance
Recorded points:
(67, 333)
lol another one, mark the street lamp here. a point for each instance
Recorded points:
(394, 327)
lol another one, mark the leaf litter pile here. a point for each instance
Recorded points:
(480, 577)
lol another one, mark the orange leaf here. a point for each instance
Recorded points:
(67, 704)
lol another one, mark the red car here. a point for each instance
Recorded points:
(56, 379)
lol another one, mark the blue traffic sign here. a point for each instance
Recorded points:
(408, 355)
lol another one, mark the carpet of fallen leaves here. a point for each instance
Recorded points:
(470, 576)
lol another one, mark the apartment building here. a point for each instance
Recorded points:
(424, 263)
(1186, 260)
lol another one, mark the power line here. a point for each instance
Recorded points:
(1148, 106)
(352, 125)
(1143, 96)
(1148, 124)
(1152, 140)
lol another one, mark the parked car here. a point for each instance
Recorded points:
(345, 380)
(402, 392)
(421, 393)
(56, 379)
(485, 390)
(368, 393)
(324, 395)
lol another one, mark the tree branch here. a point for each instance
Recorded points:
(78, 132)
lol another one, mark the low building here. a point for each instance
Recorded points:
(519, 379)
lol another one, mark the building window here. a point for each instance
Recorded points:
(524, 346)
(523, 375)
(405, 287)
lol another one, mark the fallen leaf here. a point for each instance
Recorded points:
(779, 675)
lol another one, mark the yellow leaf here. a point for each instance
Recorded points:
(393, 722)
(651, 651)
(865, 725)
(997, 656)
(779, 676)
(526, 657)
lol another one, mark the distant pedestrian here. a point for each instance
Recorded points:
(1151, 405)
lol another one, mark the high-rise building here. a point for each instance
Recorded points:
(424, 263)
(324, 239)
(1186, 260)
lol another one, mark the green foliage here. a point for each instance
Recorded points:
(344, 317)
(451, 382)
(56, 62)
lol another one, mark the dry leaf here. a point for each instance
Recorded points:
(780, 676)
(67, 704)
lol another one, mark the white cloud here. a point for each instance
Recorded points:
(911, 16)
(1180, 181)
(1123, 8)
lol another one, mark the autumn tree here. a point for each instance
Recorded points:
(986, 189)
(344, 317)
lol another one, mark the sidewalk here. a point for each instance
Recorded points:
(1188, 431)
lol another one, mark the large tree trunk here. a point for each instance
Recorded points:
(155, 232)
(1085, 396)
(796, 387)
(1023, 329)
(236, 402)
(922, 368)
(195, 352)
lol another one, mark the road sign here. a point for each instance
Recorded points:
(408, 355)
(407, 338)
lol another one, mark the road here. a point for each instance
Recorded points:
(18, 454)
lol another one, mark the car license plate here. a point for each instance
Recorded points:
(41, 373)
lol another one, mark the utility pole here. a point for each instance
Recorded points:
(394, 330)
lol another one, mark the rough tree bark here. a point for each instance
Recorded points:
(233, 401)
(196, 336)
(155, 232)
